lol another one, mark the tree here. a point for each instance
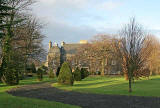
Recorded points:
(84, 73)
(33, 68)
(51, 73)
(95, 54)
(40, 74)
(134, 48)
(153, 60)
(8, 69)
(77, 74)
(58, 70)
(65, 75)
(28, 41)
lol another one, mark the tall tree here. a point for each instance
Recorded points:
(135, 49)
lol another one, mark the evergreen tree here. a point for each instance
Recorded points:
(77, 74)
(65, 75)
(84, 73)
(9, 72)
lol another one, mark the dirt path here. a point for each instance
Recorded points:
(46, 92)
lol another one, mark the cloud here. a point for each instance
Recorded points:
(73, 20)
(109, 5)
(64, 3)
(58, 31)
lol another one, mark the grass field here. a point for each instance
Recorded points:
(115, 86)
(9, 101)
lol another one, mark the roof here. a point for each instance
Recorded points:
(71, 48)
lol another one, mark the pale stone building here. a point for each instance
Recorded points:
(58, 54)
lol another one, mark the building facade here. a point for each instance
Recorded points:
(66, 52)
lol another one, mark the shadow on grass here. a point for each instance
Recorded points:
(140, 88)
(90, 84)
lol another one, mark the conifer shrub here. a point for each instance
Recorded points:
(40, 74)
(84, 73)
(77, 74)
(51, 73)
(65, 75)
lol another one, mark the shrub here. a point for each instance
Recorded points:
(51, 74)
(98, 73)
(84, 73)
(77, 74)
(33, 68)
(40, 74)
(65, 75)
(44, 69)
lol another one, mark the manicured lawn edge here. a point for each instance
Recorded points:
(9, 101)
(115, 86)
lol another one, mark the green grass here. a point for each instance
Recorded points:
(9, 101)
(115, 86)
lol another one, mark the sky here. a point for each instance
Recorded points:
(74, 20)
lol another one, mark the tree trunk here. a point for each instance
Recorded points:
(126, 75)
(103, 67)
(130, 85)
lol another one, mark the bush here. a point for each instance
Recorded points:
(51, 74)
(97, 73)
(33, 68)
(77, 74)
(44, 69)
(84, 73)
(40, 74)
(65, 75)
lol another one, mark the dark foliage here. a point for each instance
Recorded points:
(77, 74)
(58, 70)
(84, 73)
(40, 74)
(65, 75)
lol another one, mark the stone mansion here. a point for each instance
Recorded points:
(58, 54)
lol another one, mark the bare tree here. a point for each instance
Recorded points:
(135, 49)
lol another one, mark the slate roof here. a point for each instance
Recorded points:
(71, 48)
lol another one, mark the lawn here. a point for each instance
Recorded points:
(9, 101)
(115, 86)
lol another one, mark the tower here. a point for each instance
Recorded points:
(50, 45)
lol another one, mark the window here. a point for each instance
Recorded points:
(113, 62)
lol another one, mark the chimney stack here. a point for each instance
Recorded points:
(50, 44)
(62, 43)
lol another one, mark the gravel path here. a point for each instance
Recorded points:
(46, 92)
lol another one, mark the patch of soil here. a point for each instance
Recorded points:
(46, 92)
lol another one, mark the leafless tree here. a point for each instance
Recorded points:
(134, 47)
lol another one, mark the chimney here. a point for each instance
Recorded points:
(55, 44)
(50, 44)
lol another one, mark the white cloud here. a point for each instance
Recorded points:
(109, 5)
(72, 20)
(64, 3)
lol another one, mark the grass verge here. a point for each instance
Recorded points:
(115, 86)
(9, 101)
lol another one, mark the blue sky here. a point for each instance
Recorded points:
(74, 20)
